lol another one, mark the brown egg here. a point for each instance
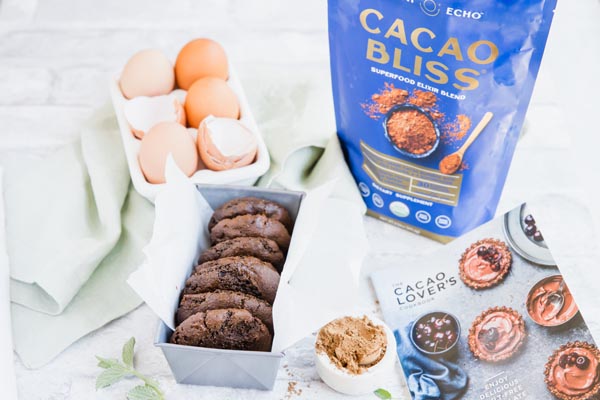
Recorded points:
(162, 139)
(225, 143)
(210, 96)
(147, 73)
(142, 113)
(198, 59)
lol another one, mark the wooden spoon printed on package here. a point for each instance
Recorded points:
(452, 162)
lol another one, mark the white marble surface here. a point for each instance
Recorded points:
(56, 55)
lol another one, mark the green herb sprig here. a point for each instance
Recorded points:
(383, 394)
(115, 370)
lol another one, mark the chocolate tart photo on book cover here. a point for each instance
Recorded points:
(490, 317)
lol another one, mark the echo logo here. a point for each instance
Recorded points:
(457, 12)
(430, 7)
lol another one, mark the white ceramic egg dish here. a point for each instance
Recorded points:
(244, 176)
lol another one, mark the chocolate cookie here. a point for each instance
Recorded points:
(251, 226)
(202, 302)
(262, 248)
(229, 328)
(241, 274)
(251, 206)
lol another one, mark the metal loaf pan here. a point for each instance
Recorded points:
(230, 368)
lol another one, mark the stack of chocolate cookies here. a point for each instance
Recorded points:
(227, 300)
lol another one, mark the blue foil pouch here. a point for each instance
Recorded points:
(430, 97)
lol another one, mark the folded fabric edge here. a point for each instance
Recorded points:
(33, 360)
(8, 381)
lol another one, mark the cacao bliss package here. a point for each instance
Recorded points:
(430, 97)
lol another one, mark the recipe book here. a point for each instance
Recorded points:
(490, 317)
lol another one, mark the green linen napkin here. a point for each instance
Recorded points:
(296, 119)
(76, 226)
(75, 230)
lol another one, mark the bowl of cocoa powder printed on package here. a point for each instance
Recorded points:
(411, 130)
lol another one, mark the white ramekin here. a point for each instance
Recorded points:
(370, 380)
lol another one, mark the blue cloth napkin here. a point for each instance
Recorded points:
(429, 378)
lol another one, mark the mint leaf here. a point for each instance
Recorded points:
(144, 392)
(149, 381)
(107, 362)
(128, 352)
(383, 394)
(111, 375)
(115, 370)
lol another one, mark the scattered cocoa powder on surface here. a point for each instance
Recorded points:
(352, 344)
(450, 164)
(456, 130)
(412, 131)
(383, 101)
(423, 99)
(293, 390)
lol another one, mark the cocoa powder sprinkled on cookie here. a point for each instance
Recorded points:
(352, 344)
